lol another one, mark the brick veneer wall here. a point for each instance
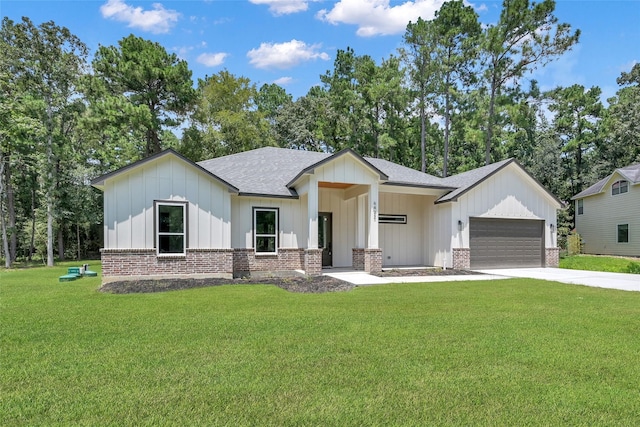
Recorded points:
(313, 262)
(462, 258)
(552, 257)
(369, 260)
(245, 261)
(145, 262)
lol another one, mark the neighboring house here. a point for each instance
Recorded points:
(608, 214)
(273, 210)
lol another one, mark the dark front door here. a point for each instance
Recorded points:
(325, 238)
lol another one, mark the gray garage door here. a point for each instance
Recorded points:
(506, 243)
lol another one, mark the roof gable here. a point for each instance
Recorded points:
(467, 181)
(346, 152)
(100, 181)
(630, 173)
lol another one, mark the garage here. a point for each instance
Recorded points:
(506, 243)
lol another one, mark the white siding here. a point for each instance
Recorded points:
(292, 220)
(129, 198)
(403, 244)
(510, 194)
(598, 225)
(344, 216)
(346, 169)
(439, 229)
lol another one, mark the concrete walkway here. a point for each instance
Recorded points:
(621, 281)
(360, 278)
(597, 279)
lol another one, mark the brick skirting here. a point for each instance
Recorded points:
(313, 262)
(368, 260)
(145, 262)
(552, 257)
(245, 261)
(461, 259)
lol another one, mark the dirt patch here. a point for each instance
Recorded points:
(317, 284)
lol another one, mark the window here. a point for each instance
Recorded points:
(580, 206)
(392, 219)
(265, 234)
(619, 187)
(623, 233)
(171, 226)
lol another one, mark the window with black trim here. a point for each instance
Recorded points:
(171, 228)
(623, 233)
(392, 219)
(619, 187)
(265, 230)
(580, 206)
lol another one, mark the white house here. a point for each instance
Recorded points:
(275, 210)
(608, 214)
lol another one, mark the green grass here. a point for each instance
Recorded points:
(509, 352)
(599, 263)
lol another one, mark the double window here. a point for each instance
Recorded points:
(265, 230)
(171, 228)
(623, 233)
(619, 187)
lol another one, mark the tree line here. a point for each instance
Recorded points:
(454, 97)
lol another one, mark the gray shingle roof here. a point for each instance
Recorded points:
(268, 170)
(631, 172)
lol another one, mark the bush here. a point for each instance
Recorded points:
(633, 267)
(574, 244)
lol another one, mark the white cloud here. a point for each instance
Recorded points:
(283, 81)
(212, 59)
(378, 17)
(158, 20)
(284, 55)
(284, 7)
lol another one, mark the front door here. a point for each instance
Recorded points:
(325, 238)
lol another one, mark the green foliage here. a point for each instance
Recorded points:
(633, 268)
(508, 352)
(574, 243)
(596, 263)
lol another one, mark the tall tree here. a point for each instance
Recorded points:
(51, 63)
(456, 30)
(526, 36)
(420, 47)
(577, 116)
(226, 119)
(621, 145)
(150, 78)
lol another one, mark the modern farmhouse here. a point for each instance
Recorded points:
(274, 210)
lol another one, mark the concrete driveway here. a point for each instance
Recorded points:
(597, 279)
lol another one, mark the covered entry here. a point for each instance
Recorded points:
(506, 243)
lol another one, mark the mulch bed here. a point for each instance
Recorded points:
(318, 284)
(300, 284)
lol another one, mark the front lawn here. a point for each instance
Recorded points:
(601, 263)
(509, 352)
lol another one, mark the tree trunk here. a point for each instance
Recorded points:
(78, 241)
(49, 185)
(423, 132)
(61, 243)
(33, 223)
(11, 212)
(447, 121)
(492, 101)
(5, 242)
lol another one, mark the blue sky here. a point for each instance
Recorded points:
(292, 42)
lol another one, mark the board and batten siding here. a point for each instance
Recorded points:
(508, 194)
(129, 212)
(292, 220)
(439, 229)
(403, 244)
(344, 217)
(598, 225)
(346, 169)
